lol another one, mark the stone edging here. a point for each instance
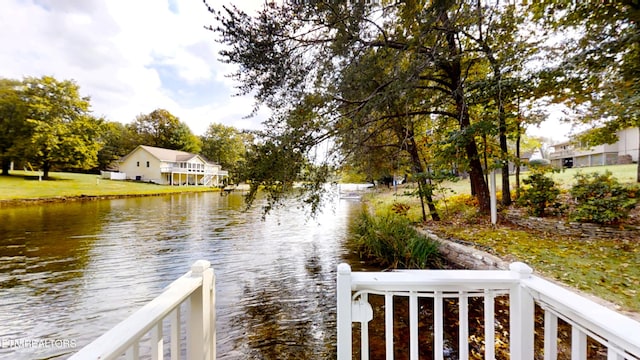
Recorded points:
(573, 229)
(466, 256)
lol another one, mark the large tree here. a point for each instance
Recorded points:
(226, 146)
(117, 141)
(598, 75)
(351, 72)
(162, 129)
(13, 125)
(63, 132)
(505, 44)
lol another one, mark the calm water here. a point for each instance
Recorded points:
(69, 272)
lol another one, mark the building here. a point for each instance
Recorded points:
(170, 167)
(570, 154)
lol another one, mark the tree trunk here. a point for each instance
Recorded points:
(506, 187)
(425, 190)
(476, 178)
(476, 175)
(504, 150)
(45, 170)
(517, 162)
(485, 158)
(638, 160)
(420, 194)
(454, 71)
(6, 166)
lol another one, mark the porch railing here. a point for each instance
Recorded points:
(157, 327)
(618, 335)
(179, 170)
(194, 293)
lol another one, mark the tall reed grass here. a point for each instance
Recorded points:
(391, 241)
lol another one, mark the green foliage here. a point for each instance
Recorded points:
(401, 209)
(601, 199)
(117, 142)
(541, 192)
(226, 146)
(349, 175)
(378, 87)
(13, 125)
(183, 139)
(461, 205)
(162, 129)
(62, 131)
(275, 164)
(598, 72)
(539, 163)
(392, 241)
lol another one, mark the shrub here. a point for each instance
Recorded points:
(541, 193)
(400, 208)
(539, 164)
(392, 241)
(601, 199)
(463, 205)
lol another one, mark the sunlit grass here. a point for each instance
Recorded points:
(607, 268)
(565, 177)
(624, 173)
(25, 185)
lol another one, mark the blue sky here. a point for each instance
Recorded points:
(130, 57)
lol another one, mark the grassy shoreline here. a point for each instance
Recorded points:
(24, 188)
(607, 268)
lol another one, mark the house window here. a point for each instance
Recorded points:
(138, 163)
(147, 164)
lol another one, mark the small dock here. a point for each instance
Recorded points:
(232, 188)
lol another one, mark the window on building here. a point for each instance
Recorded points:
(147, 164)
(138, 163)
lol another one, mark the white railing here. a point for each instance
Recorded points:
(618, 335)
(195, 292)
(206, 180)
(174, 169)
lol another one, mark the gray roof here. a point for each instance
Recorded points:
(168, 154)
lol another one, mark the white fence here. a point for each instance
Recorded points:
(196, 291)
(618, 335)
(113, 175)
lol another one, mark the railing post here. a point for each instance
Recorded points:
(212, 318)
(521, 315)
(343, 320)
(201, 325)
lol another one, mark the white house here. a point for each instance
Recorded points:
(170, 167)
(571, 154)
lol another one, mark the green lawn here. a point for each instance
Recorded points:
(624, 173)
(25, 185)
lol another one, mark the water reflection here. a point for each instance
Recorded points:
(72, 271)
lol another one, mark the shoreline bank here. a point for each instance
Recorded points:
(61, 199)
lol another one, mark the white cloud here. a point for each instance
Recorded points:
(130, 57)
